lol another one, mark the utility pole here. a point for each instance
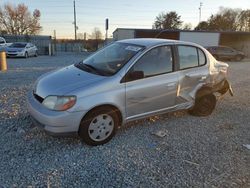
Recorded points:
(55, 41)
(75, 19)
(200, 11)
(106, 28)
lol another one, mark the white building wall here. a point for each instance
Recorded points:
(202, 38)
(121, 34)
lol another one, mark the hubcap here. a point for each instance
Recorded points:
(101, 127)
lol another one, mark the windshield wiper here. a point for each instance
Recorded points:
(91, 68)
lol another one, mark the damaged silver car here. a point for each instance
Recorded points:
(127, 80)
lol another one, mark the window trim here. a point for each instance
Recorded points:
(197, 48)
(174, 65)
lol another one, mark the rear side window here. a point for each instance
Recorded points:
(202, 58)
(190, 56)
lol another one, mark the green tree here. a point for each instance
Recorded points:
(187, 26)
(225, 20)
(244, 21)
(170, 20)
(202, 26)
(18, 20)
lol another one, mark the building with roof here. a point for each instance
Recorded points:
(234, 39)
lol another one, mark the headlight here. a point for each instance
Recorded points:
(59, 103)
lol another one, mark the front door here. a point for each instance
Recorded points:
(151, 83)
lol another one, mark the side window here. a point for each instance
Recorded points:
(202, 58)
(188, 57)
(155, 62)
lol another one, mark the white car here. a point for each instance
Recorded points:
(21, 49)
(3, 43)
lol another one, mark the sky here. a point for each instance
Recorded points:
(58, 14)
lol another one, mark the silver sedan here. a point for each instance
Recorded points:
(127, 80)
(21, 49)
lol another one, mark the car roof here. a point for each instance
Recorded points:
(20, 43)
(217, 47)
(149, 42)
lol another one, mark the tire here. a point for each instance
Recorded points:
(204, 105)
(26, 55)
(238, 58)
(96, 133)
(36, 54)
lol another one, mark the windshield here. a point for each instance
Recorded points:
(18, 45)
(110, 59)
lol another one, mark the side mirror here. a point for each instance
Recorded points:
(135, 75)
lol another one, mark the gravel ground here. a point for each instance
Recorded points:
(197, 152)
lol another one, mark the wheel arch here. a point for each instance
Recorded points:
(203, 90)
(113, 107)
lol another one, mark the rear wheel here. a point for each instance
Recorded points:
(238, 58)
(99, 126)
(204, 105)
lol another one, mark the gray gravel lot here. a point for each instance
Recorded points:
(197, 152)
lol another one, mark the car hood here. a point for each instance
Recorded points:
(63, 81)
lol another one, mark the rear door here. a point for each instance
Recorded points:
(193, 70)
(155, 86)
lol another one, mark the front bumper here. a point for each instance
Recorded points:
(15, 54)
(53, 122)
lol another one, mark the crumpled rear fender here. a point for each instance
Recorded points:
(222, 88)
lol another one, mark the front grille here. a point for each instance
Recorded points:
(37, 97)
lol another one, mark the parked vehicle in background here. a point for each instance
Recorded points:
(127, 80)
(21, 49)
(3, 43)
(225, 53)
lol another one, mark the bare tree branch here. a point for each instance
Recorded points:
(17, 20)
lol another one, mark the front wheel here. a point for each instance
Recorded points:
(238, 58)
(99, 126)
(26, 55)
(204, 105)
